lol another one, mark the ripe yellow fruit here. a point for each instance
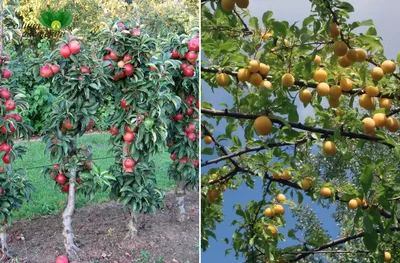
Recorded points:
(243, 74)
(346, 84)
(286, 175)
(263, 69)
(392, 124)
(388, 66)
(269, 212)
(335, 92)
(320, 75)
(255, 79)
(213, 195)
(287, 80)
(266, 84)
(358, 200)
(361, 54)
(274, 230)
(377, 73)
(305, 96)
(352, 55)
(280, 198)
(388, 257)
(334, 102)
(262, 125)
(385, 103)
(329, 147)
(323, 89)
(279, 210)
(228, 5)
(353, 204)
(242, 3)
(379, 119)
(207, 139)
(368, 125)
(335, 30)
(214, 176)
(266, 35)
(340, 48)
(367, 102)
(276, 175)
(325, 192)
(317, 60)
(364, 203)
(339, 112)
(222, 79)
(372, 91)
(254, 66)
(222, 188)
(306, 183)
(344, 62)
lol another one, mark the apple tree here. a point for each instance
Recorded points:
(79, 82)
(183, 129)
(139, 124)
(343, 156)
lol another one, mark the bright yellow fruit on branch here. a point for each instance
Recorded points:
(306, 183)
(222, 79)
(228, 5)
(286, 175)
(385, 103)
(254, 66)
(262, 125)
(266, 84)
(379, 119)
(276, 175)
(274, 230)
(207, 139)
(335, 92)
(352, 55)
(340, 48)
(368, 125)
(353, 204)
(320, 75)
(346, 84)
(280, 198)
(335, 30)
(263, 69)
(344, 62)
(305, 96)
(243, 74)
(242, 3)
(388, 66)
(367, 102)
(325, 192)
(377, 73)
(358, 200)
(268, 212)
(287, 80)
(317, 60)
(255, 79)
(213, 194)
(361, 54)
(323, 89)
(279, 210)
(392, 124)
(334, 102)
(266, 35)
(329, 147)
(388, 257)
(372, 91)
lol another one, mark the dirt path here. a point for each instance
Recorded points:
(100, 230)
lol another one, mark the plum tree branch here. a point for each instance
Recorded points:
(242, 21)
(297, 125)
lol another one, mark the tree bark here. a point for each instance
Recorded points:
(4, 246)
(132, 225)
(180, 201)
(70, 247)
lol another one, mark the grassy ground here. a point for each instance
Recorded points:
(48, 199)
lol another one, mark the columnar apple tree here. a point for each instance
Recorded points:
(139, 125)
(344, 152)
(78, 80)
(183, 135)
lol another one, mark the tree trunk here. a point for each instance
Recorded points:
(4, 246)
(180, 201)
(132, 225)
(70, 247)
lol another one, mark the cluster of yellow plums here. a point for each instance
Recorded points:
(380, 120)
(275, 210)
(229, 5)
(215, 192)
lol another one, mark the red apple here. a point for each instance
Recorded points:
(61, 179)
(188, 71)
(193, 44)
(191, 136)
(189, 111)
(46, 71)
(123, 104)
(5, 147)
(191, 56)
(68, 125)
(183, 160)
(129, 163)
(190, 128)
(65, 189)
(6, 74)
(136, 32)
(55, 68)
(153, 68)
(85, 70)
(126, 58)
(129, 137)
(6, 158)
(74, 47)
(121, 25)
(113, 56)
(183, 66)
(10, 105)
(173, 157)
(65, 51)
(106, 57)
(56, 167)
(79, 180)
(62, 259)
(128, 170)
(5, 94)
(174, 54)
(128, 70)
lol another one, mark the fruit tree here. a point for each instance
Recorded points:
(343, 156)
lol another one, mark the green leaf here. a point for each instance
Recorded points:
(366, 177)
(346, 6)
(253, 22)
(371, 241)
(266, 16)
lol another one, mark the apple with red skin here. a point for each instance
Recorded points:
(56, 167)
(109, 49)
(121, 64)
(60, 179)
(188, 71)
(79, 180)
(126, 58)
(5, 94)
(153, 68)
(54, 140)
(190, 100)
(191, 136)
(62, 259)
(128, 70)
(193, 44)
(128, 170)
(5, 147)
(136, 32)
(128, 129)
(169, 144)
(121, 25)
(106, 57)
(68, 125)
(74, 46)
(129, 163)
(183, 66)
(85, 70)
(173, 156)
(178, 117)
(113, 56)
(46, 72)
(190, 128)
(65, 189)
(16, 117)
(55, 68)
(10, 105)
(6, 74)
(191, 56)
(119, 76)
(129, 137)
(174, 54)
(2, 169)
(65, 52)
(190, 111)
(183, 160)
(4, 129)
(6, 158)
(124, 104)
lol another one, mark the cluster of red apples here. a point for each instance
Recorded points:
(190, 57)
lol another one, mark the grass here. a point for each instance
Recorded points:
(48, 199)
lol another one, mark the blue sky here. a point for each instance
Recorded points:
(384, 14)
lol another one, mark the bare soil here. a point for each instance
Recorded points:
(100, 231)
